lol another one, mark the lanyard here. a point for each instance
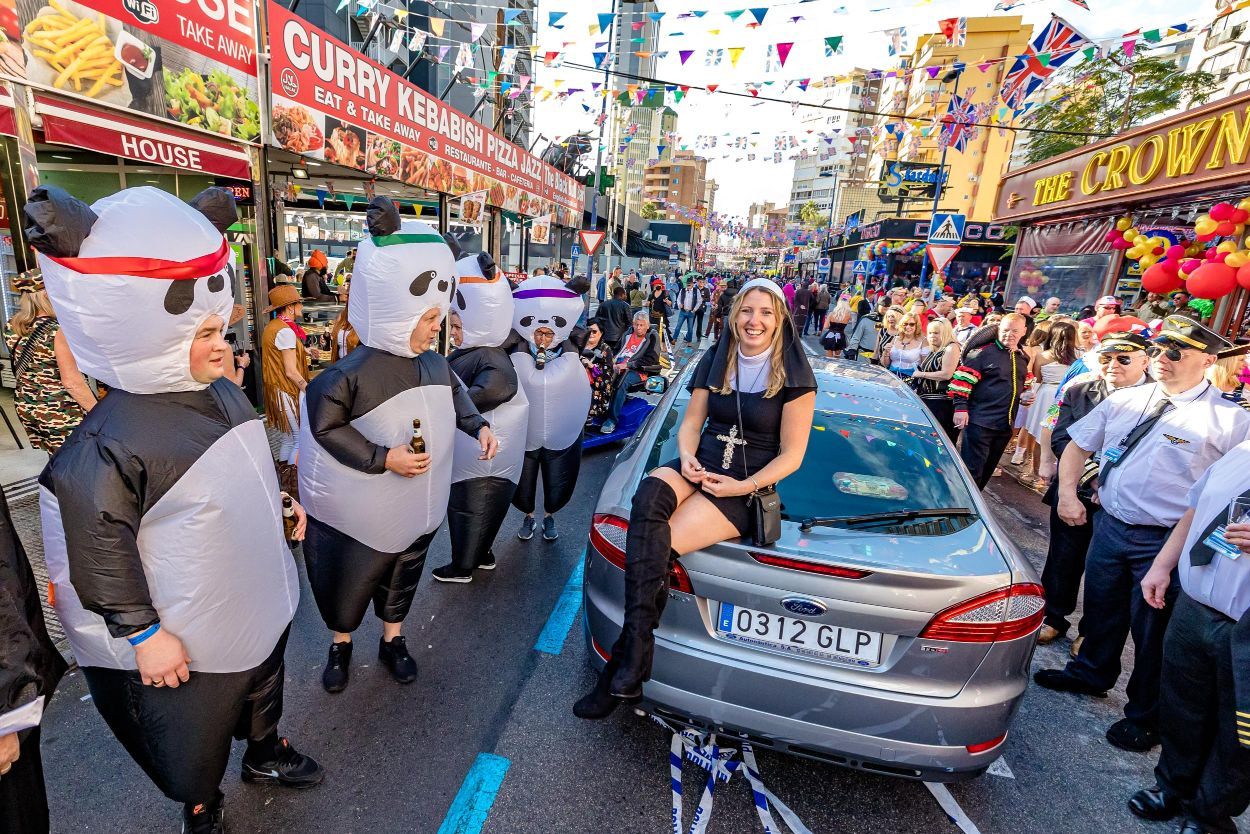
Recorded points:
(1141, 417)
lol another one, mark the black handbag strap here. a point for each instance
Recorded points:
(1138, 434)
(42, 326)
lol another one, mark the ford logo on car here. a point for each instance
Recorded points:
(803, 607)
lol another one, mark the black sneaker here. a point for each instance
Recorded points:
(448, 573)
(288, 768)
(334, 676)
(394, 656)
(488, 561)
(527, 529)
(1133, 737)
(549, 529)
(202, 820)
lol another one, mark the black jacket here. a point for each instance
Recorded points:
(614, 317)
(988, 384)
(365, 379)
(30, 665)
(315, 286)
(488, 374)
(646, 360)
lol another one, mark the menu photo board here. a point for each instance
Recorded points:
(192, 62)
(332, 103)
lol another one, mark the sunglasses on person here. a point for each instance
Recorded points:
(1173, 354)
(1121, 358)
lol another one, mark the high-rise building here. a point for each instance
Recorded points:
(915, 97)
(680, 181)
(635, 43)
(831, 159)
(1224, 49)
(643, 133)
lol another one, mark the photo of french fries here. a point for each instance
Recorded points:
(77, 47)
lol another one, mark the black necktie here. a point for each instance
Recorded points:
(1202, 553)
(1135, 436)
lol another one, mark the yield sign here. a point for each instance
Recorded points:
(591, 240)
(940, 254)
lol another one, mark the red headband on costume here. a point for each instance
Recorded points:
(200, 267)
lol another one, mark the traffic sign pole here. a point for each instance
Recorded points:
(958, 72)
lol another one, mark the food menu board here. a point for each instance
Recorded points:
(188, 61)
(332, 103)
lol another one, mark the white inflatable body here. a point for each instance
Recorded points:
(559, 392)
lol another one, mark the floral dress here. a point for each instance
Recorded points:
(47, 411)
(598, 361)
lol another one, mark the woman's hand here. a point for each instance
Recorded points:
(10, 751)
(692, 470)
(162, 660)
(301, 522)
(489, 443)
(721, 486)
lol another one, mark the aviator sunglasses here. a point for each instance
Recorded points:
(1122, 358)
(1173, 353)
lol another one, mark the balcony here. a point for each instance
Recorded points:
(1224, 35)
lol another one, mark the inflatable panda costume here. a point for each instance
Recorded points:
(481, 490)
(373, 509)
(558, 391)
(161, 513)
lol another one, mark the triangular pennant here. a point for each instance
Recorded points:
(735, 52)
(711, 88)
(734, 15)
(656, 16)
(510, 16)
(553, 19)
(685, 54)
(783, 52)
(605, 22)
(437, 24)
(759, 14)
(475, 31)
(833, 45)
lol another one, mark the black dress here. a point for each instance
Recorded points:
(934, 392)
(760, 427)
(834, 339)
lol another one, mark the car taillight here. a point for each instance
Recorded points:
(811, 567)
(1005, 614)
(986, 745)
(608, 534)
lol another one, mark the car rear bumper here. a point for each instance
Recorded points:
(891, 733)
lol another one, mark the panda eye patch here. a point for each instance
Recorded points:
(527, 321)
(421, 284)
(560, 322)
(179, 297)
(460, 300)
(216, 283)
(443, 286)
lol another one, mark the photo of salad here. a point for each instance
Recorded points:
(214, 102)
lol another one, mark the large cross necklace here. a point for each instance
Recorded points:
(730, 440)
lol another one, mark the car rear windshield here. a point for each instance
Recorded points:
(857, 465)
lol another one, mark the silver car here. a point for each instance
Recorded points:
(889, 629)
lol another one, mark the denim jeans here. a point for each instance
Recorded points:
(627, 379)
(685, 318)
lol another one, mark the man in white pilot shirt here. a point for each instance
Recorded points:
(1155, 442)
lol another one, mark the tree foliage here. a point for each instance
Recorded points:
(809, 215)
(1109, 95)
(650, 211)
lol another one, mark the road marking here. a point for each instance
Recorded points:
(951, 808)
(556, 631)
(999, 767)
(473, 801)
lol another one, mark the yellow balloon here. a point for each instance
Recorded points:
(1238, 259)
(1227, 246)
(1131, 235)
(1148, 260)
(1134, 253)
(1205, 226)
(1244, 204)
(1126, 223)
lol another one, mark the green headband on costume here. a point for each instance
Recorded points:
(406, 237)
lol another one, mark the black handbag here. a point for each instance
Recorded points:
(764, 502)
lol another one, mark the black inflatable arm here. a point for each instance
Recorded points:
(468, 419)
(491, 385)
(329, 416)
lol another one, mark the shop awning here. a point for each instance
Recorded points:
(118, 134)
(637, 246)
(8, 119)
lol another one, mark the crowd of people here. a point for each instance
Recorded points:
(169, 525)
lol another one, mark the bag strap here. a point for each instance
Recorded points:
(20, 363)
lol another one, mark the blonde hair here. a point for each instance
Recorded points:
(30, 306)
(841, 314)
(777, 368)
(1224, 373)
(946, 333)
(910, 318)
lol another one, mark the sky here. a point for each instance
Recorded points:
(862, 23)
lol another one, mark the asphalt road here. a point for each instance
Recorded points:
(488, 705)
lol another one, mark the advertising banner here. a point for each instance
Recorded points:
(188, 61)
(332, 103)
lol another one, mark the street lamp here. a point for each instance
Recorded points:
(952, 75)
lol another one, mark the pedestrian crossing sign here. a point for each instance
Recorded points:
(946, 229)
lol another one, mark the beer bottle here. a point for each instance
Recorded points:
(417, 444)
(288, 517)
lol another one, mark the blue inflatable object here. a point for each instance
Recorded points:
(633, 413)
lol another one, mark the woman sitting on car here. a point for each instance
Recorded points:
(756, 388)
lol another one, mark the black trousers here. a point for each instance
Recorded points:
(1065, 565)
(346, 576)
(943, 411)
(698, 322)
(23, 797)
(981, 450)
(181, 737)
(1202, 761)
(559, 470)
(475, 512)
(1119, 556)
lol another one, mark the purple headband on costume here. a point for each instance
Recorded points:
(551, 293)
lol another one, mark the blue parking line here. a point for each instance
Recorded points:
(473, 801)
(556, 631)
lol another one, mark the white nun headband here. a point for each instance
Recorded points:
(763, 284)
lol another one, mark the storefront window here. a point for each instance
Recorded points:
(1077, 280)
(87, 186)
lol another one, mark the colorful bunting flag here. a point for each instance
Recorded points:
(955, 29)
(510, 16)
(735, 52)
(833, 45)
(605, 22)
(685, 54)
(1082, 4)
(475, 31)
(759, 14)
(437, 24)
(554, 18)
(783, 52)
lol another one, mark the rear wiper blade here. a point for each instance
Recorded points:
(899, 515)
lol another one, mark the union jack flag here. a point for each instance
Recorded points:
(1058, 41)
(959, 124)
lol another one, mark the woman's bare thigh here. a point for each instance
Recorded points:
(698, 524)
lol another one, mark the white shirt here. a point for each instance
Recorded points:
(1151, 486)
(284, 339)
(964, 332)
(1225, 583)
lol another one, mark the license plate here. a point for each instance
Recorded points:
(795, 635)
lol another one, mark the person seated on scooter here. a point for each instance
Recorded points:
(639, 356)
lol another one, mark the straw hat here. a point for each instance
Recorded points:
(281, 296)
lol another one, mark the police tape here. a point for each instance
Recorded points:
(702, 750)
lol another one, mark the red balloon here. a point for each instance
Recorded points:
(1118, 324)
(1159, 279)
(1113, 236)
(1176, 252)
(1221, 211)
(1212, 280)
(1240, 216)
(1190, 264)
(1226, 228)
(1243, 277)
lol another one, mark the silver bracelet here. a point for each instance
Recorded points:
(754, 483)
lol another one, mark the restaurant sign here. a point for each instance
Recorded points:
(332, 103)
(1200, 151)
